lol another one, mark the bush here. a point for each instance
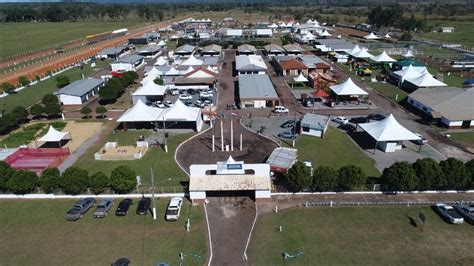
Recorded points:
(62, 81)
(299, 177)
(123, 179)
(5, 173)
(50, 180)
(98, 182)
(430, 175)
(22, 182)
(351, 177)
(399, 176)
(20, 113)
(470, 168)
(100, 110)
(325, 178)
(36, 110)
(23, 80)
(86, 111)
(8, 88)
(74, 180)
(159, 81)
(455, 173)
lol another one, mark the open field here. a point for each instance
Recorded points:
(163, 164)
(24, 37)
(33, 94)
(36, 233)
(335, 150)
(464, 138)
(360, 235)
(463, 34)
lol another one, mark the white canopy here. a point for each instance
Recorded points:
(140, 112)
(383, 58)
(426, 80)
(363, 53)
(388, 129)
(152, 72)
(348, 88)
(371, 36)
(409, 53)
(192, 61)
(273, 26)
(54, 135)
(180, 112)
(150, 89)
(325, 33)
(309, 36)
(161, 61)
(161, 43)
(387, 36)
(354, 50)
(407, 73)
(300, 78)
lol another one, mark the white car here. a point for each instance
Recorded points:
(205, 94)
(280, 109)
(159, 104)
(199, 104)
(169, 103)
(207, 102)
(340, 120)
(174, 92)
(174, 209)
(185, 97)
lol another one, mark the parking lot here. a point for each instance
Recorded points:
(191, 97)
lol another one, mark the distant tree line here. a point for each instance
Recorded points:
(73, 181)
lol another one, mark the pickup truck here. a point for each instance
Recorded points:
(174, 209)
(79, 209)
(448, 213)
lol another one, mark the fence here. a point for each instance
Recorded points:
(309, 204)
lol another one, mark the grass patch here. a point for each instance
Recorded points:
(127, 138)
(163, 164)
(360, 235)
(451, 80)
(463, 34)
(335, 150)
(464, 138)
(33, 94)
(36, 233)
(28, 133)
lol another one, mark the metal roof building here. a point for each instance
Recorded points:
(79, 91)
(257, 91)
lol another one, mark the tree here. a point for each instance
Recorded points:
(180, 42)
(36, 110)
(22, 182)
(20, 113)
(51, 105)
(23, 80)
(101, 110)
(159, 81)
(299, 177)
(8, 88)
(429, 174)
(130, 77)
(62, 81)
(5, 173)
(470, 168)
(74, 180)
(49, 99)
(98, 182)
(86, 111)
(351, 177)
(50, 180)
(7, 122)
(37, 78)
(123, 179)
(325, 178)
(455, 173)
(399, 176)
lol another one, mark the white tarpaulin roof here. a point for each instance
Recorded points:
(161, 43)
(140, 112)
(273, 26)
(325, 33)
(54, 135)
(180, 112)
(371, 36)
(192, 61)
(354, 50)
(387, 36)
(388, 129)
(300, 78)
(409, 53)
(161, 61)
(150, 89)
(348, 87)
(363, 53)
(383, 58)
(426, 80)
(407, 73)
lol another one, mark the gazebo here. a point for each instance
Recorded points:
(54, 135)
(348, 89)
(383, 58)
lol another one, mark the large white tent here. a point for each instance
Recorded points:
(179, 112)
(192, 61)
(363, 54)
(149, 89)
(325, 33)
(273, 26)
(140, 112)
(408, 54)
(54, 135)
(425, 80)
(348, 88)
(371, 36)
(383, 58)
(407, 73)
(354, 50)
(388, 133)
(161, 61)
(300, 78)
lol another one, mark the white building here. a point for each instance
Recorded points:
(250, 65)
(128, 63)
(447, 29)
(314, 125)
(79, 91)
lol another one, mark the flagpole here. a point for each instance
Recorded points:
(231, 133)
(222, 135)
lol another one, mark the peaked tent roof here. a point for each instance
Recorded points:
(140, 112)
(426, 80)
(192, 61)
(273, 26)
(387, 36)
(180, 112)
(388, 129)
(320, 94)
(363, 53)
(150, 89)
(203, 69)
(371, 36)
(54, 135)
(325, 33)
(407, 73)
(161, 61)
(300, 78)
(383, 58)
(354, 50)
(348, 87)
(409, 53)
(162, 43)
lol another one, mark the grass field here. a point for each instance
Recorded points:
(335, 150)
(361, 236)
(24, 37)
(464, 32)
(36, 233)
(33, 94)
(464, 138)
(28, 133)
(163, 164)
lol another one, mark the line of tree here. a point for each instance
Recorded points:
(73, 181)
(115, 87)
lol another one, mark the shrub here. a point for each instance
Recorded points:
(36, 110)
(399, 176)
(20, 113)
(123, 179)
(299, 177)
(8, 88)
(159, 81)
(23, 80)
(22, 182)
(100, 110)
(62, 81)
(86, 111)
(351, 177)
(470, 168)
(74, 180)
(98, 182)
(429, 174)
(455, 173)
(50, 180)
(5, 173)
(325, 178)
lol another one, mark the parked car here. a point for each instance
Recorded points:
(466, 211)
(359, 120)
(288, 135)
(188, 103)
(205, 94)
(288, 124)
(185, 97)
(340, 120)
(143, 206)
(199, 104)
(169, 103)
(207, 102)
(448, 213)
(123, 207)
(174, 209)
(280, 109)
(103, 208)
(421, 141)
(347, 127)
(191, 91)
(79, 209)
(174, 92)
(376, 117)
(159, 104)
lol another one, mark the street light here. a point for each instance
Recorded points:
(153, 191)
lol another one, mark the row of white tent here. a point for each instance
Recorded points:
(291, 24)
(363, 53)
(419, 76)
(311, 37)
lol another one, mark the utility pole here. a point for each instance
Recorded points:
(153, 193)
(294, 128)
(222, 135)
(231, 133)
(164, 134)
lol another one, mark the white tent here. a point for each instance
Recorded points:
(383, 58)
(161, 61)
(387, 36)
(273, 26)
(192, 61)
(149, 89)
(426, 80)
(309, 37)
(179, 112)
(363, 53)
(354, 50)
(371, 36)
(325, 33)
(408, 54)
(161, 43)
(140, 112)
(347, 88)
(154, 72)
(300, 78)
(54, 135)
(407, 73)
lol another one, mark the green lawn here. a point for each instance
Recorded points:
(25, 37)
(464, 32)
(464, 138)
(163, 164)
(361, 236)
(28, 133)
(35, 232)
(31, 95)
(335, 150)
(451, 80)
